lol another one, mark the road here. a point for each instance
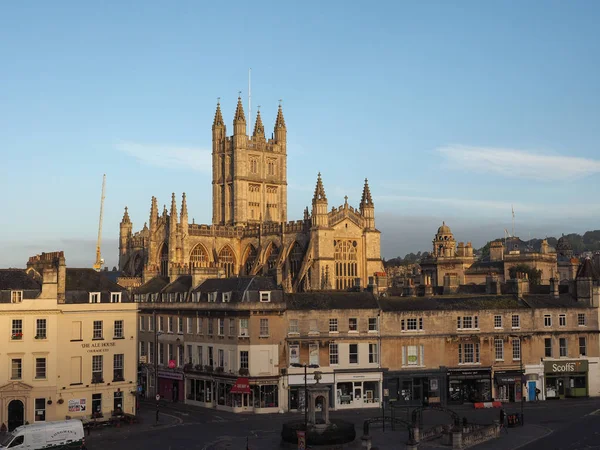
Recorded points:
(568, 424)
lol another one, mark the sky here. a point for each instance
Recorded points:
(454, 111)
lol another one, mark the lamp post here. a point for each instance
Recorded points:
(305, 399)
(522, 383)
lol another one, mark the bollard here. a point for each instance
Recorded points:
(457, 440)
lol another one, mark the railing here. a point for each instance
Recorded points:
(485, 433)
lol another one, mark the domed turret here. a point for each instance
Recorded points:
(563, 247)
(444, 229)
(444, 243)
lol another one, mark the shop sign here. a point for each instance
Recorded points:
(172, 364)
(241, 386)
(77, 405)
(482, 372)
(433, 384)
(507, 379)
(170, 375)
(98, 347)
(301, 439)
(566, 366)
(326, 378)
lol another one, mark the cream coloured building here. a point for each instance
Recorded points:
(70, 343)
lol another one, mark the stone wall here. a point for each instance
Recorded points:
(480, 435)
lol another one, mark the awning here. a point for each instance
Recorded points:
(241, 386)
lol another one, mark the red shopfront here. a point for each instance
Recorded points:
(170, 386)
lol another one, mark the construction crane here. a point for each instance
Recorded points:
(99, 261)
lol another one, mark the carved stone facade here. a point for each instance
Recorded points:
(250, 235)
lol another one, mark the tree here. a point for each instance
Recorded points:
(534, 275)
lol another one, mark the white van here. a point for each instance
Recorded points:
(60, 435)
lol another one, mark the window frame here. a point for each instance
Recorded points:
(120, 335)
(333, 325)
(562, 320)
(353, 325)
(245, 328)
(43, 329)
(97, 368)
(547, 320)
(18, 368)
(115, 297)
(499, 349)
(562, 347)
(373, 325)
(498, 319)
(352, 354)
(264, 296)
(373, 353)
(293, 326)
(581, 320)
(12, 297)
(518, 321)
(582, 347)
(264, 327)
(548, 350)
(334, 356)
(516, 349)
(120, 359)
(95, 297)
(97, 333)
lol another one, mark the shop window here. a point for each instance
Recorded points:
(547, 320)
(266, 396)
(244, 359)
(40, 368)
(16, 371)
(373, 354)
(516, 321)
(40, 409)
(40, 329)
(264, 327)
(353, 353)
(581, 320)
(353, 324)
(497, 321)
(372, 323)
(562, 344)
(516, 348)
(293, 326)
(582, 346)
(333, 354)
(96, 403)
(333, 325)
(313, 354)
(499, 349)
(548, 347)
(118, 401)
(562, 320)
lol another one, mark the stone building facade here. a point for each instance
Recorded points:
(250, 234)
(70, 343)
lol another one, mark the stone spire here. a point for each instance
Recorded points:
(279, 121)
(184, 211)
(173, 216)
(126, 217)
(366, 199)
(259, 129)
(218, 122)
(165, 212)
(153, 213)
(280, 129)
(319, 190)
(239, 112)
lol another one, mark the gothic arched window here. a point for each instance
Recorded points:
(272, 256)
(346, 263)
(199, 257)
(250, 259)
(164, 260)
(296, 256)
(227, 261)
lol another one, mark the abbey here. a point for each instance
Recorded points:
(250, 234)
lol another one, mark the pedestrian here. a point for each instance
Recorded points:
(537, 394)
(156, 416)
(503, 420)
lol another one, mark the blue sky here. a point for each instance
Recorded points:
(453, 110)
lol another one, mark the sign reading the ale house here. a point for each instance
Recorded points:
(566, 367)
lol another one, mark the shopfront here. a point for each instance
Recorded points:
(469, 385)
(170, 385)
(508, 386)
(296, 398)
(199, 391)
(358, 390)
(416, 388)
(566, 378)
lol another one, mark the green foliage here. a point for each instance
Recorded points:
(534, 275)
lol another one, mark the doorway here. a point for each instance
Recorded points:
(175, 391)
(16, 414)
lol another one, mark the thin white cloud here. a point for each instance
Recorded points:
(456, 202)
(169, 156)
(519, 163)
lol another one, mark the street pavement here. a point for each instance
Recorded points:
(565, 424)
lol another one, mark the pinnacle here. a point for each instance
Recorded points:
(319, 190)
(184, 211)
(218, 122)
(366, 195)
(280, 121)
(239, 112)
(259, 129)
(126, 217)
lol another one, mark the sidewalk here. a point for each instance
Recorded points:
(515, 438)
(146, 417)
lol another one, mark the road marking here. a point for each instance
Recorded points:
(595, 413)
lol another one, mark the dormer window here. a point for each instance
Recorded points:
(212, 297)
(94, 297)
(226, 297)
(265, 296)
(115, 297)
(16, 296)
